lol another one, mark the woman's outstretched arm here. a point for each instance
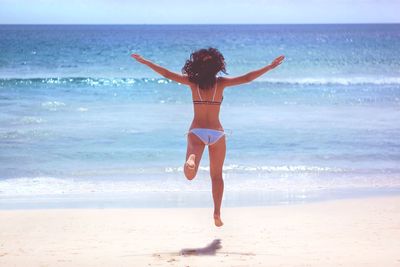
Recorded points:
(248, 77)
(162, 71)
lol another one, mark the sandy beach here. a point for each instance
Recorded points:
(357, 232)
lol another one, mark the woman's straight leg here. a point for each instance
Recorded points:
(217, 153)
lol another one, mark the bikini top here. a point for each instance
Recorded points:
(208, 102)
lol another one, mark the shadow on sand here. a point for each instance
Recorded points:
(210, 249)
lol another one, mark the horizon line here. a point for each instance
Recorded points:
(191, 24)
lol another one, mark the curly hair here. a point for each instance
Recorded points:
(203, 66)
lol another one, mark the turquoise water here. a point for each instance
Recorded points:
(81, 122)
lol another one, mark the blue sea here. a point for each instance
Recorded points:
(84, 125)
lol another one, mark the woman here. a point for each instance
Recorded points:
(199, 73)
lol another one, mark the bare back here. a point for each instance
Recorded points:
(207, 115)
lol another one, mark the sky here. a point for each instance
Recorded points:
(197, 12)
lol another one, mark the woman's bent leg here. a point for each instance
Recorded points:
(217, 153)
(195, 148)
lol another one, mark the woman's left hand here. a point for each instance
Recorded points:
(277, 61)
(139, 58)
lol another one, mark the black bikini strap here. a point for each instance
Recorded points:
(207, 102)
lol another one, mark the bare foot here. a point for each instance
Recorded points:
(190, 162)
(217, 220)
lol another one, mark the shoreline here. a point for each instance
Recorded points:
(189, 199)
(346, 232)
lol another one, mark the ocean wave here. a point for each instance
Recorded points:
(52, 186)
(27, 186)
(264, 169)
(334, 81)
(127, 81)
(29, 120)
(53, 105)
(24, 134)
(90, 81)
(228, 169)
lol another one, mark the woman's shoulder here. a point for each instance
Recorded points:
(221, 81)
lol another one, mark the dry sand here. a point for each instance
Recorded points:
(358, 232)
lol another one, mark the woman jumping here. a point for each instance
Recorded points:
(199, 73)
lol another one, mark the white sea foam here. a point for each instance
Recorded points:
(29, 120)
(282, 168)
(53, 105)
(18, 187)
(25, 186)
(228, 169)
(334, 80)
(82, 109)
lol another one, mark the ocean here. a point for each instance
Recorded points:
(84, 125)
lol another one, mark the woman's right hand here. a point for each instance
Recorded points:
(277, 61)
